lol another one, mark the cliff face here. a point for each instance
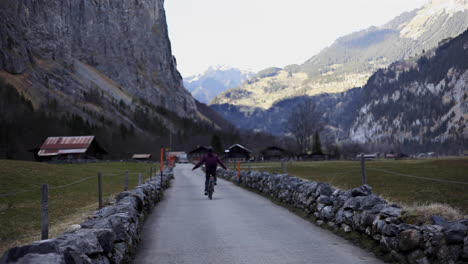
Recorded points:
(64, 49)
(419, 101)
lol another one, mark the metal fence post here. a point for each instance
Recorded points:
(140, 179)
(363, 169)
(100, 189)
(45, 212)
(126, 181)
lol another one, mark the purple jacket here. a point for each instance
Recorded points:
(211, 162)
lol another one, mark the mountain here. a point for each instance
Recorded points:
(352, 59)
(422, 101)
(418, 104)
(215, 80)
(71, 67)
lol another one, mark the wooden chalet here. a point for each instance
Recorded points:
(70, 148)
(236, 153)
(274, 153)
(197, 154)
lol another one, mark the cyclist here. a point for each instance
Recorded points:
(211, 161)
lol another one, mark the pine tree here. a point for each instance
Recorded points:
(317, 146)
(216, 143)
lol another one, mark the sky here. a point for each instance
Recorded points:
(257, 34)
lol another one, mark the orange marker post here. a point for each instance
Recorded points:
(161, 166)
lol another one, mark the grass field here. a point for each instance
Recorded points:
(20, 213)
(381, 176)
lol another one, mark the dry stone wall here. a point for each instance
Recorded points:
(361, 210)
(110, 236)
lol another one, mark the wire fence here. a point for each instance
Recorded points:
(21, 213)
(419, 177)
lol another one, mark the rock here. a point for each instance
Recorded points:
(35, 259)
(417, 257)
(409, 239)
(368, 231)
(344, 216)
(391, 230)
(324, 189)
(320, 222)
(455, 232)
(325, 200)
(352, 203)
(443, 255)
(364, 190)
(390, 211)
(83, 241)
(327, 213)
(465, 249)
(346, 228)
(44, 247)
(73, 228)
(455, 252)
(438, 220)
(397, 257)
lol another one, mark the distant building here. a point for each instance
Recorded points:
(197, 154)
(70, 148)
(274, 153)
(141, 157)
(236, 153)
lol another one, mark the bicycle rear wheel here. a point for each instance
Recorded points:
(210, 188)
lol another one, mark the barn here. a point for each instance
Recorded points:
(70, 148)
(236, 153)
(197, 154)
(274, 153)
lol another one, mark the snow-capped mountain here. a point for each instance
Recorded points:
(215, 80)
(352, 59)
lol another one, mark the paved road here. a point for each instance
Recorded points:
(237, 226)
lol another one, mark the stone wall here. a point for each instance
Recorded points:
(110, 236)
(362, 211)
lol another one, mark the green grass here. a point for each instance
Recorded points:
(20, 214)
(396, 188)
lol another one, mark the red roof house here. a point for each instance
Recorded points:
(67, 148)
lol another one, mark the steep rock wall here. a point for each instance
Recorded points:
(69, 46)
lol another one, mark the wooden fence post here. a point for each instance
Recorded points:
(45, 212)
(126, 181)
(100, 189)
(285, 169)
(363, 169)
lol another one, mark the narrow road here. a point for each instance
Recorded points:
(237, 226)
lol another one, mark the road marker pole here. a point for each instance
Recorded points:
(161, 165)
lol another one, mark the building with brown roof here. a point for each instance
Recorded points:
(70, 148)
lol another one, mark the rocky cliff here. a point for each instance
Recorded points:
(64, 50)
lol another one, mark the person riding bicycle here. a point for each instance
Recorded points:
(211, 161)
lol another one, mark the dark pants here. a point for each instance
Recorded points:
(207, 178)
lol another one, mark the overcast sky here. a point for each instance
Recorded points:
(256, 34)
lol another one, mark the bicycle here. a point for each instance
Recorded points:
(210, 189)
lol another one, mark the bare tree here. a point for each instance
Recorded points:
(302, 122)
